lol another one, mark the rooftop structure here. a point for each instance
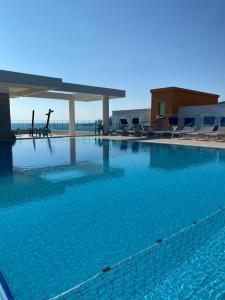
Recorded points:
(181, 90)
(167, 101)
(15, 85)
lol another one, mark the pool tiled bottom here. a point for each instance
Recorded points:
(200, 277)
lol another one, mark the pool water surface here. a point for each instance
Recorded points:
(68, 207)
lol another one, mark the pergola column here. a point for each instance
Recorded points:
(72, 151)
(5, 120)
(6, 159)
(105, 113)
(105, 157)
(72, 130)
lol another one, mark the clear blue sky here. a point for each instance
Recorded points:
(133, 45)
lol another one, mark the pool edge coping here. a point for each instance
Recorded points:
(5, 292)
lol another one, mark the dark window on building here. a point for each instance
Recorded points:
(123, 121)
(135, 121)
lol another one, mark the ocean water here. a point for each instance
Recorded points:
(55, 125)
(68, 207)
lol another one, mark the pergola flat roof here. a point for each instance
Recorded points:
(37, 86)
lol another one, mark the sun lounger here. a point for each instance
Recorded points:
(123, 127)
(207, 127)
(147, 130)
(161, 133)
(189, 126)
(136, 130)
(43, 132)
(219, 134)
(182, 132)
(200, 133)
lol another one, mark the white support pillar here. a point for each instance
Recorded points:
(105, 157)
(72, 129)
(105, 113)
(72, 151)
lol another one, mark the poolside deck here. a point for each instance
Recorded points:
(55, 134)
(176, 141)
(170, 141)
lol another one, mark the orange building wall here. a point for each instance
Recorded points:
(176, 97)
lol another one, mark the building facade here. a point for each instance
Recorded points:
(166, 102)
(200, 111)
(141, 116)
(173, 102)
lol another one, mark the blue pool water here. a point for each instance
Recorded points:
(70, 206)
(200, 277)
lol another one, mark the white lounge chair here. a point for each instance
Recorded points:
(208, 125)
(136, 130)
(219, 134)
(201, 132)
(185, 130)
(123, 127)
(147, 130)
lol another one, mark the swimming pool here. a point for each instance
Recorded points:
(201, 276)
(70, 206)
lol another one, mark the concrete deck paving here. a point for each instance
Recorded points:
(170, 141)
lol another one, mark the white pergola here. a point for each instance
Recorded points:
(15, 85)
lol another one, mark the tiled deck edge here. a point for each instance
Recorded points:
(216, 145)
